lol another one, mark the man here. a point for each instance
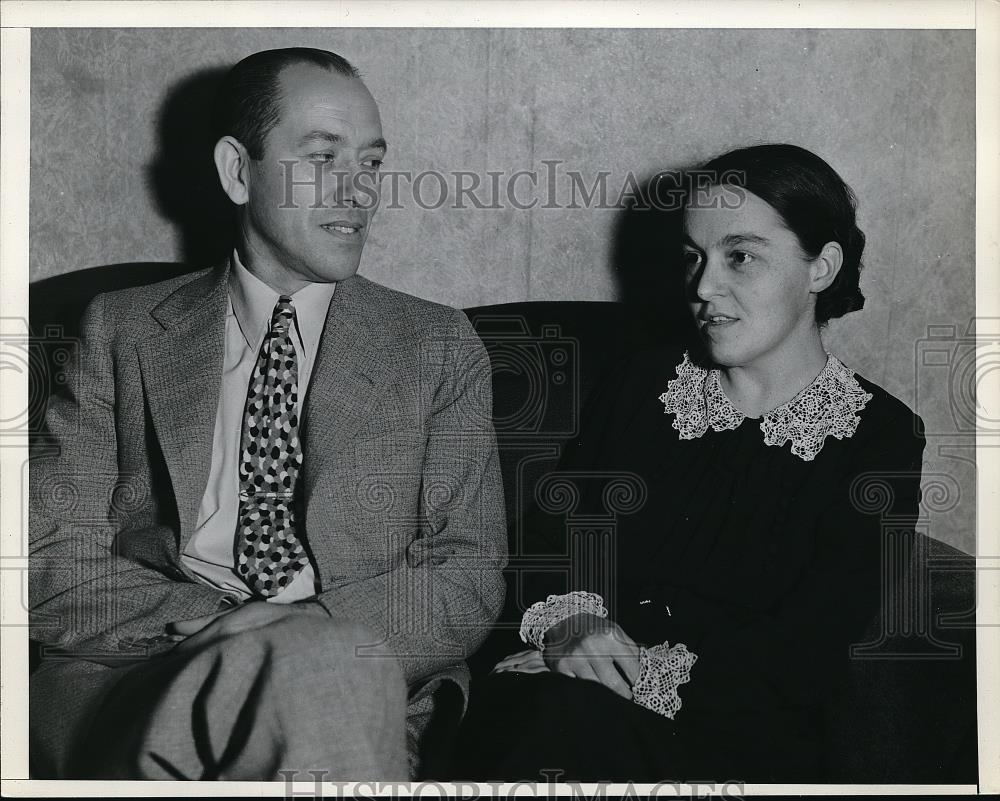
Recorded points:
(273, 528)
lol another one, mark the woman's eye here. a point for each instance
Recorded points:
(741, 258)
(373, 164)
(326, 157)
(691, 260)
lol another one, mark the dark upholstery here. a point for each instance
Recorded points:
(907, 711)
(905, 714)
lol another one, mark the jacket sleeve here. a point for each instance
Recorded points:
(436, 606)
(83, 595)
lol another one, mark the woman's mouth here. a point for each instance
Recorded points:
(714, 321)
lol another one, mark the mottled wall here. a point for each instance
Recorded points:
(893, 111)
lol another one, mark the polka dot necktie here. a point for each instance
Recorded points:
(268, 552)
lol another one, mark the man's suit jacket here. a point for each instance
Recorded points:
(402, 492)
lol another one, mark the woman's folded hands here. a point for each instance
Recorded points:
(529, 661)
(585, 646)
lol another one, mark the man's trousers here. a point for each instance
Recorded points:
(273, 703)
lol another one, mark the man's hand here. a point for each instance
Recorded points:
(590, 647)
(247, 616)
(195, 624)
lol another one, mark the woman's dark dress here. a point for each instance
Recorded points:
(766, 566)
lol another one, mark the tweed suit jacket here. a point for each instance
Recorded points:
(401, 486)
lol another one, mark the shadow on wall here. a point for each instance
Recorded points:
(646, 264)
(186, 188)
(183, 175)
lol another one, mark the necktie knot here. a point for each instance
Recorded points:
(283, 314)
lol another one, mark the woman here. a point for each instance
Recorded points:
(754, 563)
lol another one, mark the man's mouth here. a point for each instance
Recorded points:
(343, 228)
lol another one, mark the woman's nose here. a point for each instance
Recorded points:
(710, 282)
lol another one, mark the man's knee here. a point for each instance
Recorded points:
(314, 644)
(330, 636)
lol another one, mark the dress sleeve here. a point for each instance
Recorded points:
(789, 655)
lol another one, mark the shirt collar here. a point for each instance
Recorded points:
(253, 304)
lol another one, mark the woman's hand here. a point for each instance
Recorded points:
(590, 647)
(529, 661)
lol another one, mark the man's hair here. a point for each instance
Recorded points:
(248, 103)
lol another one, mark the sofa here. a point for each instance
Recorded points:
(906, 711)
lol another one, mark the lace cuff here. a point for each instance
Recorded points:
(541, 616)
(662, 670)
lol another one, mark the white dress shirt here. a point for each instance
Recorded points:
(210, 551)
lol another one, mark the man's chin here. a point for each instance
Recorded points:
(334, 276)
(328, 273)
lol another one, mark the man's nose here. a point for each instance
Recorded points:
(357, 186)
(345, 185)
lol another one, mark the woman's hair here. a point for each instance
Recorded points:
(815, 204)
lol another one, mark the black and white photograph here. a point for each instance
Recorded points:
(508, 399)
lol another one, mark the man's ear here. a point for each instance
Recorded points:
(232, 163)
(825, 266)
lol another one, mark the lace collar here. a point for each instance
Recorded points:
(828, 407)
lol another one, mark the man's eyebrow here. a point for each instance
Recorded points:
(336, 139)
(321, 136)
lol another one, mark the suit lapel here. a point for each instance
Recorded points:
(356, 358)
(181, 374)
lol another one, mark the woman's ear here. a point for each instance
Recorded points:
(232, 164)
(825, 266)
